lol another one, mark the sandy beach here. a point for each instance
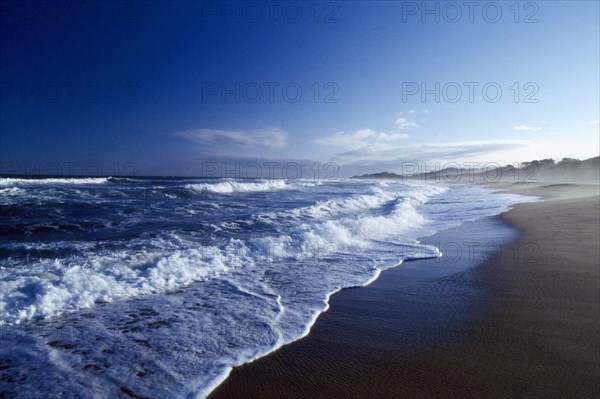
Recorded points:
(516, 315)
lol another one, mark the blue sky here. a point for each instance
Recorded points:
(96, 87)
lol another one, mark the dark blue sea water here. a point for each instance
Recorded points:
(158, 287)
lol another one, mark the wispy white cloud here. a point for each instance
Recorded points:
(416, 111)
(269, 138)
(527, 128)
(360, 138)
(368, 137)
(425, 152)
(404, 123)
(595, 122)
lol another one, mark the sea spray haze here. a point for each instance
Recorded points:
(160, 286)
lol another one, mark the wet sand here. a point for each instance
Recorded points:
(505, 313)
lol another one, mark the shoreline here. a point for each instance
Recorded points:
(342, 354)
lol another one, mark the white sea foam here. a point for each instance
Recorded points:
(12, 181)
(11, 191)
(316, 231)
(228, 187)
(52, 287)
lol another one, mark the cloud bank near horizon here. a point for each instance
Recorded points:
(427, 152)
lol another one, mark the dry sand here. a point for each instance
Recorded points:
(523, 323)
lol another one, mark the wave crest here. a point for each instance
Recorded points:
(229, 187)
(14, 181)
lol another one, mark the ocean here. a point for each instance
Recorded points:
(157, 287)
